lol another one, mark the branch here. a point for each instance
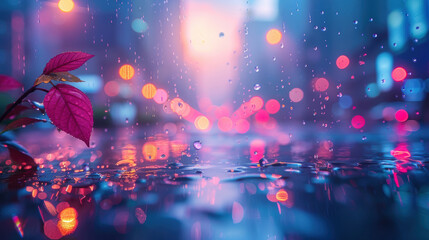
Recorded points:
(19, 101)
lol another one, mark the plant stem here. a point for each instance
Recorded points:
(19, 101)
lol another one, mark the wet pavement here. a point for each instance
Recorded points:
(151, 184)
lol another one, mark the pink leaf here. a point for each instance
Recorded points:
(8, 83)
(70, 110)
(66, 62)
(21, 123)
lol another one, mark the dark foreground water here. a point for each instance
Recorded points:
(177, 185)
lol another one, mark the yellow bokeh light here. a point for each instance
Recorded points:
(202, 123)
(126, 72)
(149, 91)
(66, 5)
(273, 36)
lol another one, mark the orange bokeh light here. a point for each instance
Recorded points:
(68, 214)
(67, 228)
(66, 5)
(126, 72)
(282, 195)
(202, 123)
(273, 36)
(149, 152)
(149, 91)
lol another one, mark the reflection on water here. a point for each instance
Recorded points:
(191, 186)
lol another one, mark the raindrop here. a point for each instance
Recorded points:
(198, 145)
(323, 29)
(257, 86)
(262, 162)
(257, 69)
(355, 22)
(363, 138)
(374, 35)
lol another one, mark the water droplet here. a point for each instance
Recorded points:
(363, 138)
(257, 69)
(221, 34)
(198, 145)
(355, 22)
(257, 86)
(374, 35)
(323, 29)
(262, 162)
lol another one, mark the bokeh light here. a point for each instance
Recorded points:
(399, 74)
(321, 84)
(161, 96)
(256, 103)
(224, 124)
(242, 126)
(68, 215)
(282, 195)
(149, 151)
(262, 116)
(342, 62)
(139, 25)
(345, 101)
(202, 123)
(372, 90)
(273, 36)
(272, 106)
(401, 115)
(149, 91)
(296, 95)
(111, 88)
(358, 121)
(126, 72)
(66, 5)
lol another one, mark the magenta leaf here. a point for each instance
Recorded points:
(17, 152)
(66, 62)
(7, 83)
(70, 110)
(21, 123)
